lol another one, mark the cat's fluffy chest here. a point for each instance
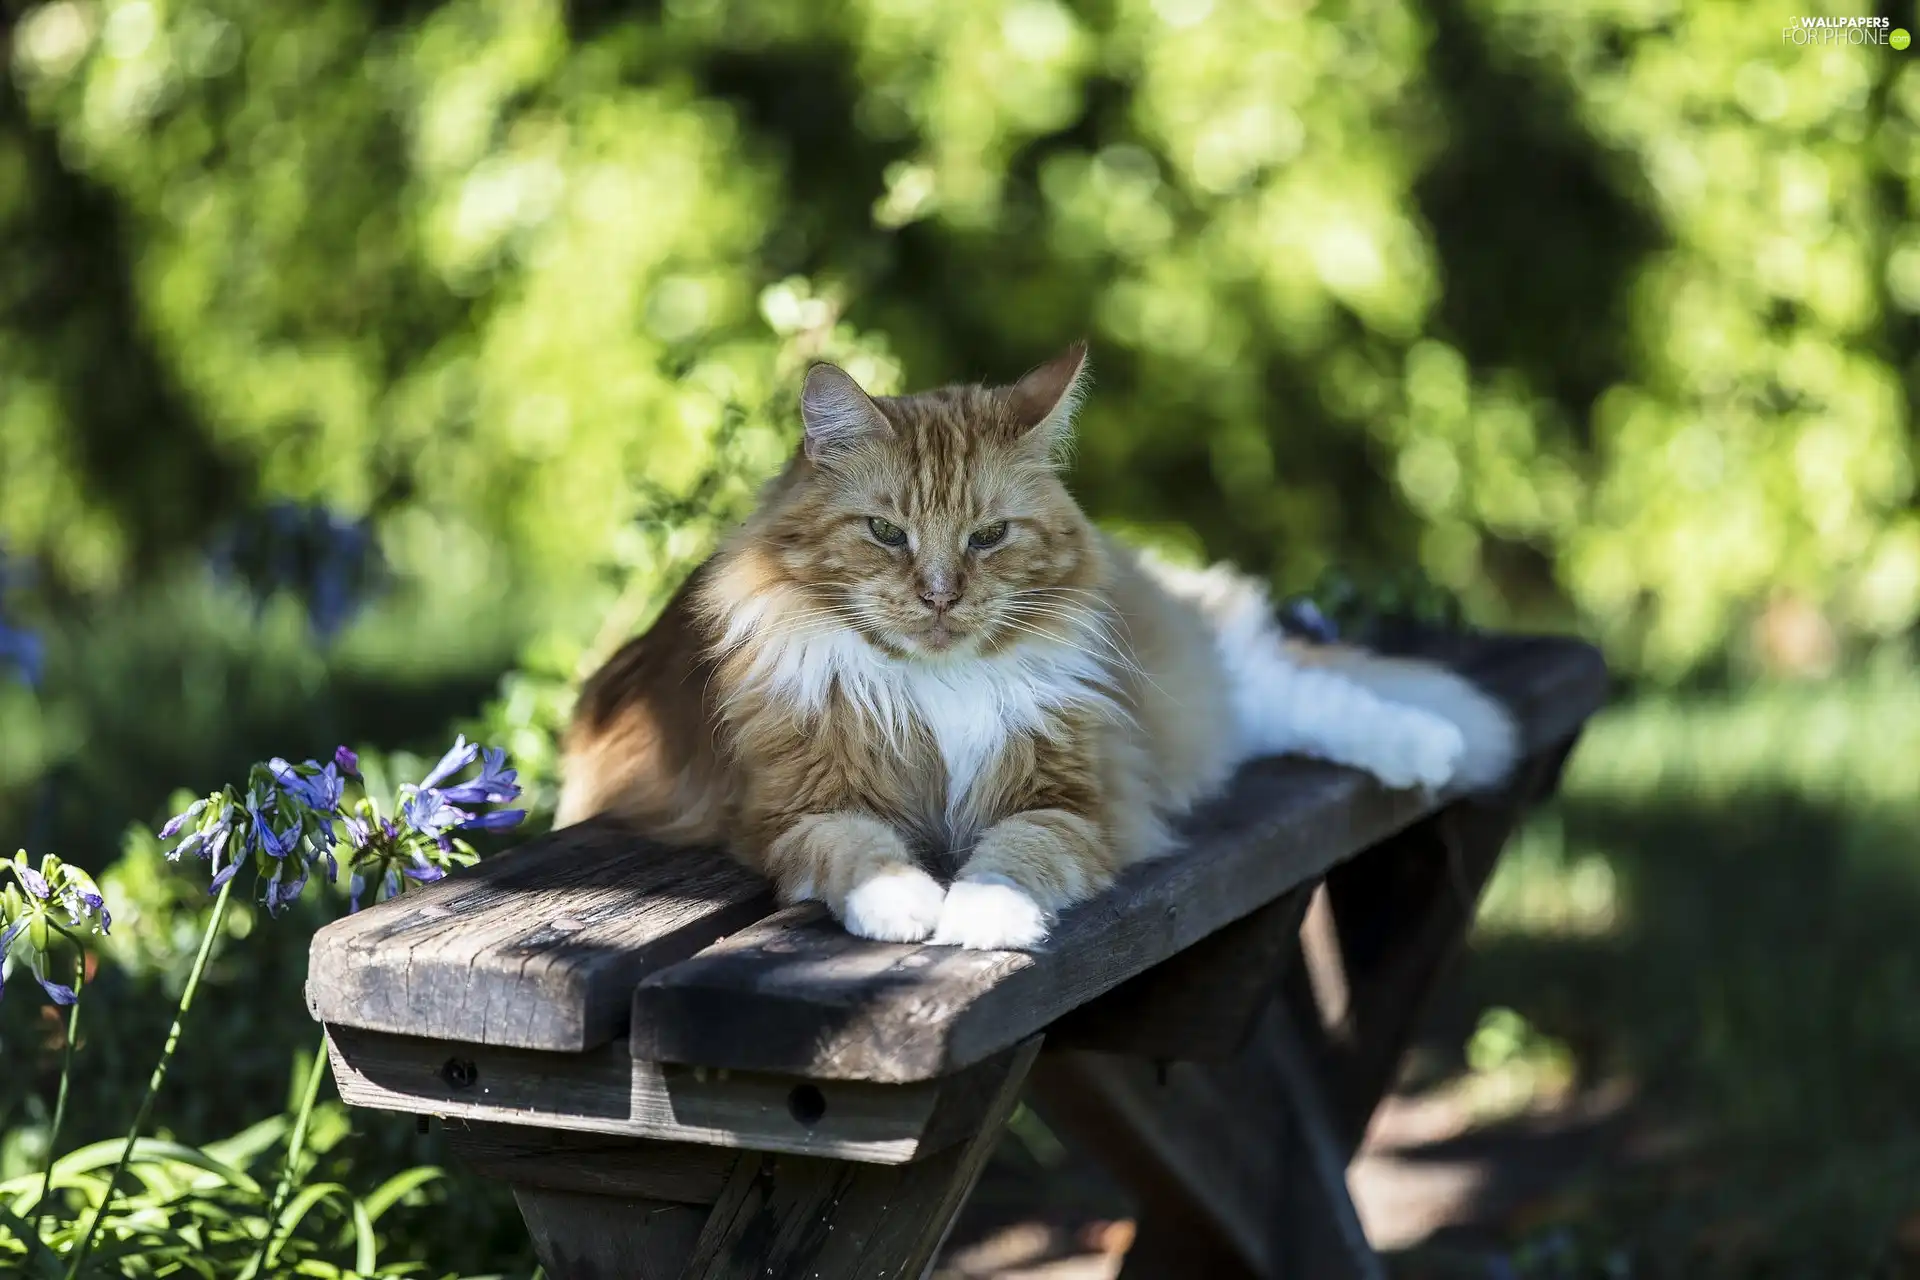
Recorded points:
(968, 708)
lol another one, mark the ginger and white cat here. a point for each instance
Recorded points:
(918, 656)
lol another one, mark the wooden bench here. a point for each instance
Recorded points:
(679, 1079)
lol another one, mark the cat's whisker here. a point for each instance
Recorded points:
(1086, 623)
(1115, 652)
(1112, 659)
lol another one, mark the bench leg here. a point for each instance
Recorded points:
(583, 1236)
(1234, 1162)
(603, 1208)
(1190, 1084)
(1398, 915)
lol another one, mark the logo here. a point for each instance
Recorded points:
(1899, 39)
(1830, 31)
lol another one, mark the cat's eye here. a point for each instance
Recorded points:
(988, 535)
(886, 532)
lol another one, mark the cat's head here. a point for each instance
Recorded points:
(936, 524)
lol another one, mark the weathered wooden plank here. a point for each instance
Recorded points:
(593, 1163)
(1201, 1004)
(829, 1220)
(538, 948)
(795, 994)
(588, 1237)
(606, 1091)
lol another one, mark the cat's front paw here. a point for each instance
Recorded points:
(1418, 749)
(899, 904)
(990, 915)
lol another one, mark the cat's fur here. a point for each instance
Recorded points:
(849, 716)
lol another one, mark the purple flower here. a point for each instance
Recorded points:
(178, 822)
(36, 962)
(458, 757)
(24, 651)
(320, 791)
(356, 887)
(358, 832)
(347, 761)
(282, 892)
(35, 882)
(498, 820)
(221, 874)
(57, 992)
(276, 844)
(7, 936)
(82, 900)
(423, 871)
(495, 785)
(429, 813)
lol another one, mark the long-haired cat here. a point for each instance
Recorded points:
(918, 656)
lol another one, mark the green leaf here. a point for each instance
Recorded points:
(151, 1151)
(390, 1192)
(45, 1262)
(242, 1147)
(302, 1204)
(365, 1256)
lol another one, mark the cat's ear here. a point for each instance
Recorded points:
(1044, 401)
(837, 413)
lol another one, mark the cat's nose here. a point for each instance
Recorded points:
(939, 588)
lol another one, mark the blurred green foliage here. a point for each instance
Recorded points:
(1618, 295)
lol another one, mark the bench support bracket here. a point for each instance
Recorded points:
(617, 1208)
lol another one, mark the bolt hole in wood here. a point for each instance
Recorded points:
(807, 1104)
(460, 1073)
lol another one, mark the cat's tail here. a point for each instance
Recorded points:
(1406, 721)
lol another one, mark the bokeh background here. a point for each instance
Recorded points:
(369, 368)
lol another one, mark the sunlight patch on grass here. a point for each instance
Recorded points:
(1543, 887)
(1852, 743)
(1850, 740)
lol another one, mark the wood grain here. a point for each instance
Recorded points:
(830, 1220)
(588, 1237)
(606, 1091)
(538, 948)
(592, 1163)
(1202, 1003)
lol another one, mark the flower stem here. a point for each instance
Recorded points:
(270, 1243)
(158, 1078)
(66, 1073)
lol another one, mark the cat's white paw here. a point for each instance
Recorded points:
(897, 905)
(990, 915)
(1417, 749)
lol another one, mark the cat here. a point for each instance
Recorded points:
(919, 655)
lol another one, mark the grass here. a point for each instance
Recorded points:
(1723, 911)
